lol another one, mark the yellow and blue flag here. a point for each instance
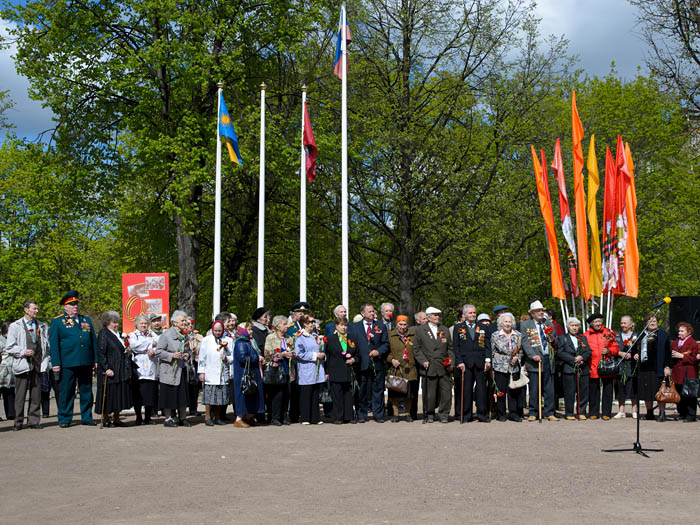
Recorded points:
(228, 133)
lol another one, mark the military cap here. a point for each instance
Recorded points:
(70, 297)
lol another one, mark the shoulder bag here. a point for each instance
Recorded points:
(690, 386)
(518, 379)
(396, 383)
(667, 393)
(249, 386)
(608, 367)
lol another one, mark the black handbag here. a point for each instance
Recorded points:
(274, 375)
(690, 386)
(249, 386)
(608, 367)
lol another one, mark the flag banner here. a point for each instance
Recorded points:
(310, 148)
(548, 216)
(632, 253)
(580, 200)
(610, 267)
(228, 133)
(144, 294)
(341, 45)
(565, 215)
(623, 182)
(596, 279)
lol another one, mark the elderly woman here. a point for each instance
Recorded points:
(247, 360)
(653, 352)
(574, 354)
(278, 355)
(173, 352)
(215, 357)
(142, 342)
(684, 352)
(506, 358)
(403, 364)
(310, 371)
(7, 378)
(603, 345)
(113, 371)
(341, 359)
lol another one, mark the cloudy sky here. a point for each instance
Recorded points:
(599, 32)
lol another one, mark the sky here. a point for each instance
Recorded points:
(599, 32)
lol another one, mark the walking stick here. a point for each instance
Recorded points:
(104, 395)
(425, 394)
(578, 394)
(461, 404)
(539, 389)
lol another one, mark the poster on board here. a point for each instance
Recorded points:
(144, 293)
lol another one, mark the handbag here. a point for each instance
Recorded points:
(607, 367)
(667, 394)
(690, 385)
(249, 386)
(518, 379)
(396, 383)
(274, 375)
(325, 396)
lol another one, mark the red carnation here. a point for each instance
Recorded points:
(278, 350)
(447, 362)
(325, 339)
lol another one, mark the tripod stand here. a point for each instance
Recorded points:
(637, 445)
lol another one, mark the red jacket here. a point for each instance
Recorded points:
(688, 365)
(604, 338)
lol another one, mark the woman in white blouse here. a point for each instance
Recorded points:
(145, 385)
(215, 358)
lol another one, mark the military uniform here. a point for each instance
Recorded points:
(73, 348)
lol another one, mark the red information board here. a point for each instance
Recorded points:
(144, 293)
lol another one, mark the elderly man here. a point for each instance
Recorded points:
(420, 318)
(625, 382)
(339, 312)
(28, 343)
(387, 311)
(432, 348)
(539, 345)
(372, 343)
(299, 308)
(574, 354)
(73, 354)
(471, 347)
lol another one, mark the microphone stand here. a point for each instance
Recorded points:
(637, 445)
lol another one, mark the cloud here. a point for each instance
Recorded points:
(599, 32)
(28, 116)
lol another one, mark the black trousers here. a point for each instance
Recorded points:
(277, 401)
(687, 407)
(569, 383)
(46, 396)
(8, 401)
(413, 387)
(514, 404)
(308, 403)
(294, 408)
(594, 388)
(474, 390)
(194, 389)
(341, 393)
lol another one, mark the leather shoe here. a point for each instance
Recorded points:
(582, 417)
(444, 420)
(661, 417)
(185, 423)
(483, 419)
(502, 419)
(276, 423)
(592, 417)
(409, 419)
(138, 422)
(516, 419)
(554, 418)
(431, 419)
(531, 418)
(63, 425)
(90, 423)
(209, 422)
(219, 422)
(241, 424)
(606, 418)
(17, 426)
(362, 420)
(170, 423)
(394, 419)
(353, 421)
(379, 421)
(570, 418)
(36, 426)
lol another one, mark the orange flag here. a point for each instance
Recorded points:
(548, 216)
(580, 200)
(632, 253)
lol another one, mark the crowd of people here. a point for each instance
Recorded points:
(286, 369)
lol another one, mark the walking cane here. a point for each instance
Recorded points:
(104, 395)
(539, 389)
(425, 394)
(462, 400)
(578, 394)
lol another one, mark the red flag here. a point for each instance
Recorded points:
(610, 268)
(309, 147)
(623, 182)
(565, 215)
(580, 199)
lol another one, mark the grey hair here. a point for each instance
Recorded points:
(337, 308)
(176, 314)
(415, 316)
(386, 304)
(142, 317)
(465, 306)
(278, 320)
(110, 316)
(573, 320)
(503, 317)
(628, 317)
(234, 317)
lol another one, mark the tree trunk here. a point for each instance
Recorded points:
(188, 251)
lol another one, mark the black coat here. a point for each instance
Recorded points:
(111, 356)
(467, 349)
(336, 368)
(379, 341)
(566, 354)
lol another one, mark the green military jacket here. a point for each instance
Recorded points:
(72, 343)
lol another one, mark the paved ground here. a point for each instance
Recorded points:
(369, 473)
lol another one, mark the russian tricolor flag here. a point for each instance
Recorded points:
(339, 48)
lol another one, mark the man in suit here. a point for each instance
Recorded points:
(387, 311)
(432, 348)
(73, 354)
(372, 343)
(538, 346)
(471, 347)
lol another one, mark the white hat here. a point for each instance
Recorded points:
(536, 306)
(432, 310)
(483, 317)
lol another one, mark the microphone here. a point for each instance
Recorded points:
(666, 300)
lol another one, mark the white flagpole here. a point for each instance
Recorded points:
(217, 212)
(565, 318)
(261, 208)
(344, 165)
(302, 208)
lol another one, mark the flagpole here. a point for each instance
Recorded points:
(261, 208)
(302, 208)
(344, 165)
(217, 212)
(564, 317)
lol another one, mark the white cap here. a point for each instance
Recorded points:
(483, 317)
(537, 305)
(432, 310)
